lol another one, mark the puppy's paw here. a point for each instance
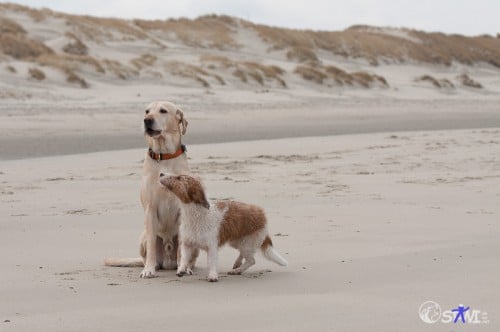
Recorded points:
(234, 272)
(183, 271)
(213, 277)
(148, 273)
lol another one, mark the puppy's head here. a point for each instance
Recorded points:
(187, 188)
(162, 118)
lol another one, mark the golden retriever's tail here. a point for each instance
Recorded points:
(124, 262)
(271, 254)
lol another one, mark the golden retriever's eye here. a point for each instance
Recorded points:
(147, 112)
(163, 111)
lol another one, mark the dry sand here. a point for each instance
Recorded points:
(373, 225)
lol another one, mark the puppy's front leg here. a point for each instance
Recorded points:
(151, 238)
(184, 266)
(212, 264)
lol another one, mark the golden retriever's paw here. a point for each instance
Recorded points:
(148, 273)
(213, 277)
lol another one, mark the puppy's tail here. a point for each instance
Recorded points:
(124, 262)
(271, 254)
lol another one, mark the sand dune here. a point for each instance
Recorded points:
(218, 53)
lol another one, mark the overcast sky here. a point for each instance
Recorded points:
(470, 17)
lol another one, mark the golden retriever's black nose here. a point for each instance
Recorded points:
(161, 174)
(148, 122)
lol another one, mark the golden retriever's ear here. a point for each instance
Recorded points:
(182, 121)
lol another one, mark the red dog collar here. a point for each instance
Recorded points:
(166, 156)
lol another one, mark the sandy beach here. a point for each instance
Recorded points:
(373, 225)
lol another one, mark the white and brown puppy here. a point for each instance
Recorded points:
(164, 124)
(209, 225)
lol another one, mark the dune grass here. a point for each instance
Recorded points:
(69, 64)
(75, 46)
(302, 54)
(310, 73)
(71, 61)
(321, 74)
(11, 69)
(374, 44)
(9, 26)
(72, 77)
(217, 60)
(209, 31)
(20, 46)
(36, 73)
(36, 15)
(194, 72)
(245, 70)
(469, 82)
(98, 29)
(119, 69)
(438, 83)
(145, 60)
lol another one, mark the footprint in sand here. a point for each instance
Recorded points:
(78, 212)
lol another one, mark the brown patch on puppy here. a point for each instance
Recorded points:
(221, 205)
(267, 243)
(240, 220)
(186, 188)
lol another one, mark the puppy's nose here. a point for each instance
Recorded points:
(161, 174)
(148, 122)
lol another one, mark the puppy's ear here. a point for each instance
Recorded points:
(197, 194)
(205, 203)
(180, 117)
(198, 197)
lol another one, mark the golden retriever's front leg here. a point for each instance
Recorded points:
(151, 238)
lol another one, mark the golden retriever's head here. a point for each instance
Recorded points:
(187, 188)
(163, 119)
